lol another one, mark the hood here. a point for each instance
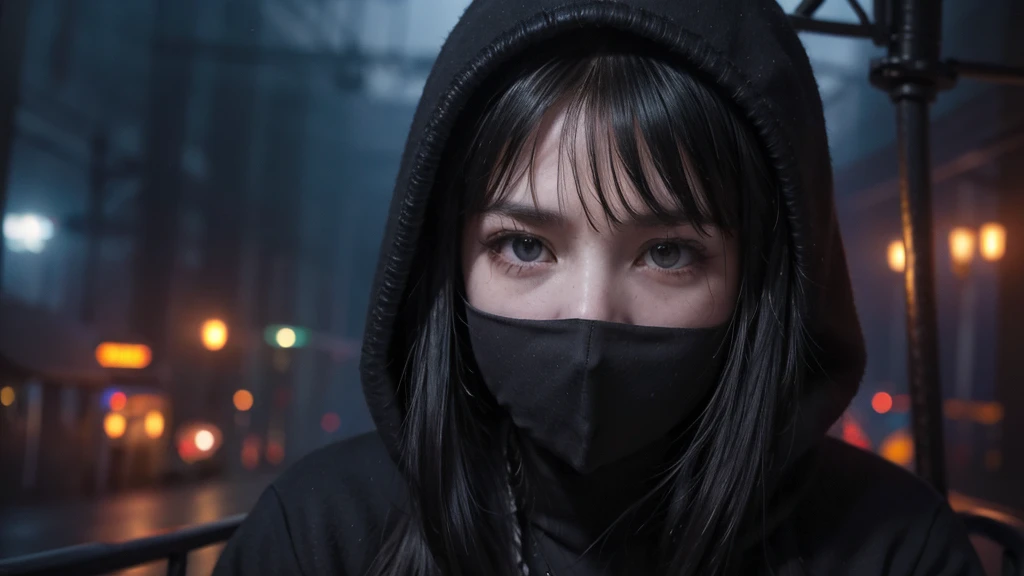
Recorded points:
(749, 50)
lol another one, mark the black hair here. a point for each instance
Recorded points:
(657, 120)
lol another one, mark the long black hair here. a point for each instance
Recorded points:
(653, 121)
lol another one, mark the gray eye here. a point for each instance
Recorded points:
(669, 256)
(527, 249)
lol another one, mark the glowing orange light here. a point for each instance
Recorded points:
(897, 256)
(242, 400)
(153, 424)
(898, 448)
(988, 413)
(7, 396)
(961, 248)
(114, 425)
(330, 422)
(118, 400)
(119, 355)
(992, 239)
(214, 334)
(881, 402)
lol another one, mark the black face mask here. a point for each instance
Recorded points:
(592, 392)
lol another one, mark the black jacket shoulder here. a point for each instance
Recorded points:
(861, 514)
(324, 515)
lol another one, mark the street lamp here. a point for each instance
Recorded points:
(214, 334)
(285, 337)
(280, 336)
(964, 242)
(992, 241)
(961, 249)
(114, 425)
(897, 256)
(6, 396)
(153, 424)
(27, 232)
(243, 400)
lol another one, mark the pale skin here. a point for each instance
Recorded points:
(544, 260)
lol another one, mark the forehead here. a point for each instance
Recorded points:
(582, 175)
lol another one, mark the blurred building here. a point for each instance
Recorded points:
(218, 160)
(76, 419)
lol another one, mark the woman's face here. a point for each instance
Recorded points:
(544, 260)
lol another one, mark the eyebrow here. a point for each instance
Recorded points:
(538, 217)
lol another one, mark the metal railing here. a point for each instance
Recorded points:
(1008, 537)
(98, 559)
(95, 559)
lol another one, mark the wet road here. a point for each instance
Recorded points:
(127, 516)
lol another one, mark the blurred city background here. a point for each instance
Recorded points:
(195, 195)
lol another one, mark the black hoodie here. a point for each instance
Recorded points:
(848, 512)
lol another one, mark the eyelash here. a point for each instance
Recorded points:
(495, 244)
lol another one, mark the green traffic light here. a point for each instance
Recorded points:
(280, 336)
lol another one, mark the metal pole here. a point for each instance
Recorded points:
(177, 564)
(912, 74)
(922, 325)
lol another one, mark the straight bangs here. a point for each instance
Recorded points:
(638, 135)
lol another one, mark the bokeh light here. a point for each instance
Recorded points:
(898, 448)
(123, 356)
(881, 402)
(897, 256)
(330, 422)
(961, 246)
(114, 425)
(204, 440)
(242, 400)
(214, 334)
(153, 424)
(286, 337)
(7, 396)
(118, 400)
(992, 241)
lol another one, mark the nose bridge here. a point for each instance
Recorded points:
(593, 296)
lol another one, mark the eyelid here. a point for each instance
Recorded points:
(496, 242)
(506, 235)
(687, 243)
(700, 254)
